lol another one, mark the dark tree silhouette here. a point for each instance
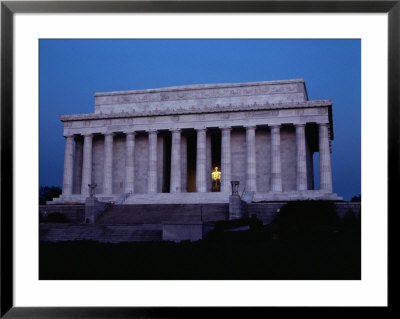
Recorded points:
(47, 193)
(356, 198)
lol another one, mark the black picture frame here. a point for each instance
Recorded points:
(9, 8)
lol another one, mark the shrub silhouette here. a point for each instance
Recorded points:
(222, 229)
(47, 193)
(349, 218)
(351, 222)
(356, 198)
(309, 216)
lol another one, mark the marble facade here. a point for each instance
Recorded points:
(161, 145)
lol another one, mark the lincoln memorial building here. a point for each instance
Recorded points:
(185, 144)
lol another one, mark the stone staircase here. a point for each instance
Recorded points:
(156, 214)
(178, 198)
(133, 223)
(58, 232)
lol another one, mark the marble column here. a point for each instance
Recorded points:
(152, 172)
(251, 182)
(301, 157)
(129, 162)
(183, 163)
(108, 163)
(201, 179)
(175, 184)
(325, 172)
(87, 164)
(68, 165)
(276, 174)
(226, 159)
(78, 166)
(209, 167)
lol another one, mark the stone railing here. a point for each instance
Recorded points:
(122, 199)
(93, 209)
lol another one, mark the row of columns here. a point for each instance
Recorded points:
(83, 158)
(276, 172)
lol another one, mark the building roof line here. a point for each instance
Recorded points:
(199, 87)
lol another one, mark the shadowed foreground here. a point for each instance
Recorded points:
(230, 255)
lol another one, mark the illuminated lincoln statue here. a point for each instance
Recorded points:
(161, 145)
(216, 177)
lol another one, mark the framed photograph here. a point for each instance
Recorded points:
(231, 112)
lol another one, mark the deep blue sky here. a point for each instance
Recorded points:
(71, 71)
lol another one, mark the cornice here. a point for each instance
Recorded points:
(195, 110)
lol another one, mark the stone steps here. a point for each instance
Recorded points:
(57, 232)
(71, 213)
(178, 198)
(156, 213)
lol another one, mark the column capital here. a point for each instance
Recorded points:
(109, 134)
(87, 134)
(323, 124)
(225, 128)
(175, 130)
(69, 135)
(249, 127)
(200, 129)
(300, 124)
(133, 133)
(152, 131)
(275, 126)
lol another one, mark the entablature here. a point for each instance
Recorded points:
(196, 110)
(198, 120)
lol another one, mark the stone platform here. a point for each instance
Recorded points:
(295, 195)
(201, 198)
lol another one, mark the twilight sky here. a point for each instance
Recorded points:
(71, 71)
